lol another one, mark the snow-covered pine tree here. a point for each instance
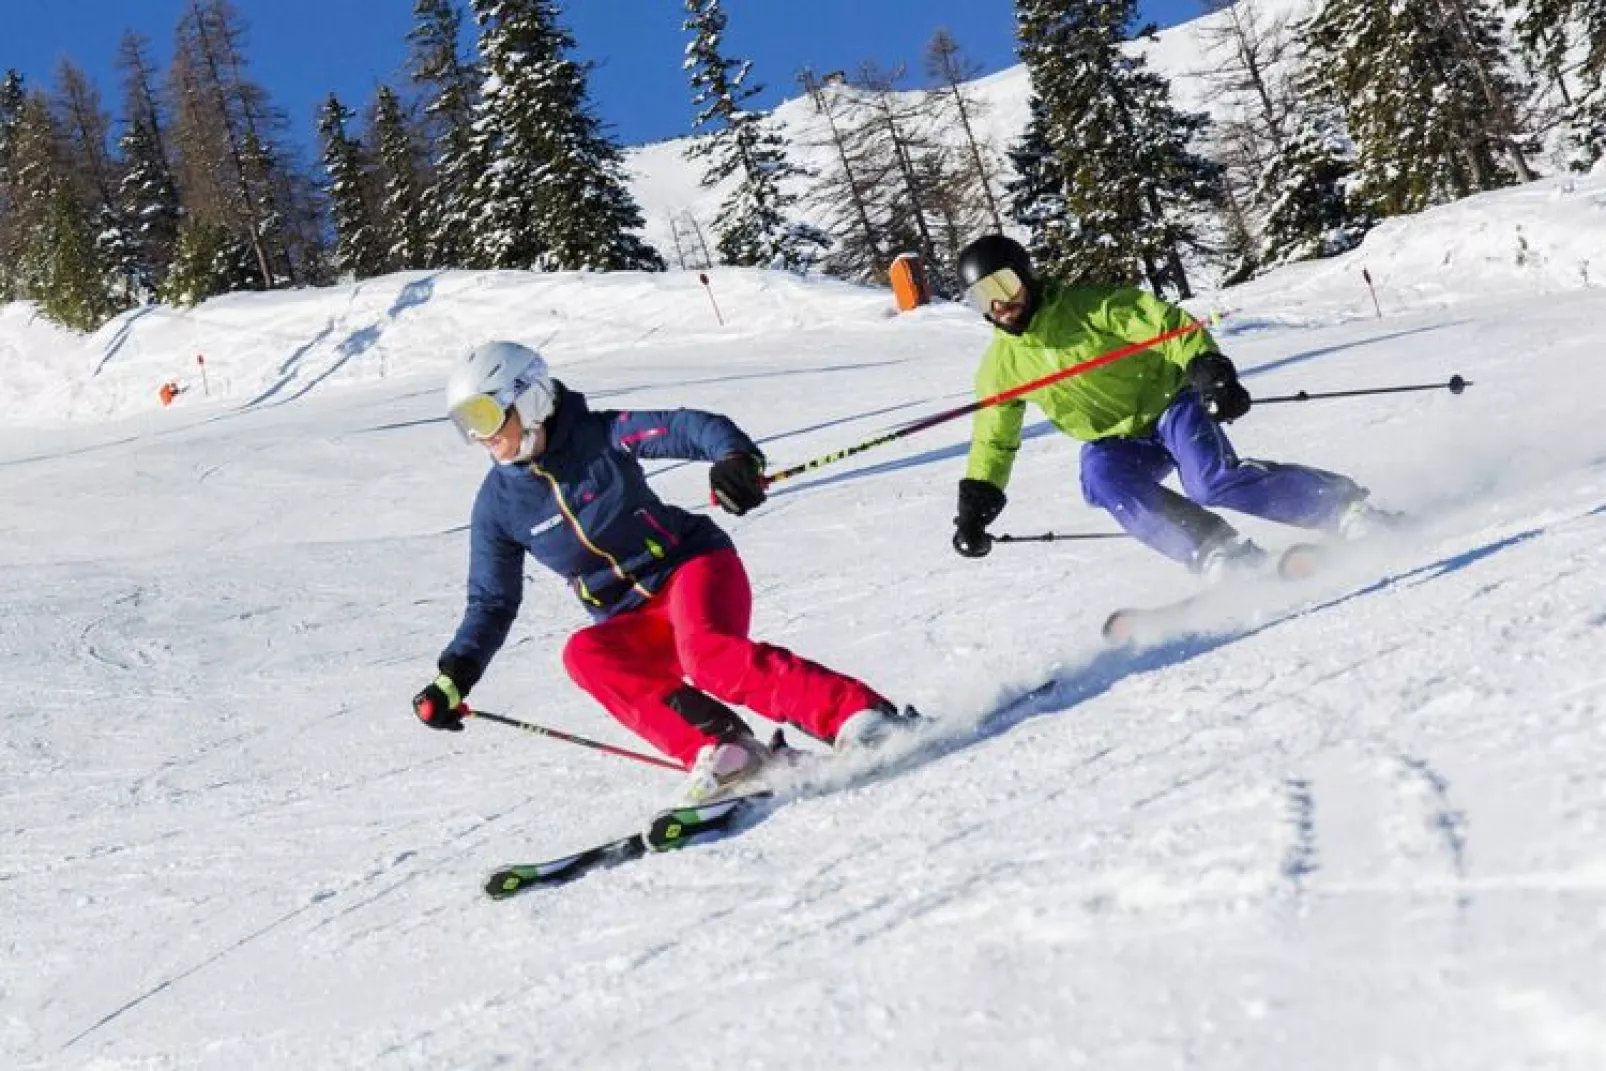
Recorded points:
(752, 226)
(12, 98)
(148, 200)
(1035, 196)
(208, 259)
(1128, 179)
(1545, 32)
(85, 128)
(68, 265)
(1426, 96)
(451, 89)
(58, 265)
(1586, 119)
(554, 193)
(147, 196)
(398, 189)
(359, 247)
(1302, 194)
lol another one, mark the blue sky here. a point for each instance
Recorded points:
(300, 50)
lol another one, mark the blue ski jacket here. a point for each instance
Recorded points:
(584, 510)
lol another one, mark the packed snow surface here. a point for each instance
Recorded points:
(1364, 826)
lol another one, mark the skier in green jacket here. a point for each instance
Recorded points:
(1139, 419)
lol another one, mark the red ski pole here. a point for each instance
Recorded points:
(995, 399)
(570, 738)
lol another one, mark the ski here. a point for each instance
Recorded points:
(680, 827)
(519, 877)
(669, 829)
(1136, 626)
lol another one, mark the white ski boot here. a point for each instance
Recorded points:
(732, 768)
(869, 729)
(1361, 520)
(1233, 559)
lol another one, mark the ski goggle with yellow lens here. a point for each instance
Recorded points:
(480, 416)
(1003, 285)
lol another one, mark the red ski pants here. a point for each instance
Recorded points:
(695, 631)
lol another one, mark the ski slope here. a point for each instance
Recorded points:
(1368, 830)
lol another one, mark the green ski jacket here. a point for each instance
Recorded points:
(1073, 325)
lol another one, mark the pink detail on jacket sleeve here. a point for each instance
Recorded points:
(640, 436)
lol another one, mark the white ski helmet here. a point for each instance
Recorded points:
(493, 378)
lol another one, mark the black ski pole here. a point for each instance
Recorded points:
(1057, 537)
(570, 738)
(1455, 385)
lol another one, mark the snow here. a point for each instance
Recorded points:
(1365, 829)
(1369, 834)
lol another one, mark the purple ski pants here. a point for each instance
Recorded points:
(1123, 476)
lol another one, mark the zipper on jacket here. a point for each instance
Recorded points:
(574, 522)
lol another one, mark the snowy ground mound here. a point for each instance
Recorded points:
(266, 349)
(1366, 827)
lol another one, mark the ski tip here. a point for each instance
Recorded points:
(503, 884)
(679, 827)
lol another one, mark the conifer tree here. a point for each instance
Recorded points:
(85, 129)
(359, 248)
(1128, 179)
(896, 155)
(1035, 196)
(208, 259)
(956, 103)
(752, 225)
(148, 206)
(1425, 96)
(147, 196)
(554, 193)
(1546, 32)
(843, 192)
(1586, 116)
(233, 165)
(12, 98)
(451, 87)
(67, 266)
(1302, 192)
(57, 265)
(401, 174)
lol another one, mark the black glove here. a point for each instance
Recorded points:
(1216, 380)
(980, 503)
(738, 482)
(440, 705)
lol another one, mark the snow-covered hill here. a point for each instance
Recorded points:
(672, 199)
(1370, 833)
(261, 351)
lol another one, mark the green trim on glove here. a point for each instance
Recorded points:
(449, 688)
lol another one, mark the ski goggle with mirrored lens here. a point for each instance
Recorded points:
(1003, 285)
(480, 416)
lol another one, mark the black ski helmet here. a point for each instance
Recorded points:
(995, 252)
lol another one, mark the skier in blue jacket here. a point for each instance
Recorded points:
(669, 598)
